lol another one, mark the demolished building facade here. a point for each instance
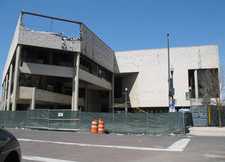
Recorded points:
(47, 70)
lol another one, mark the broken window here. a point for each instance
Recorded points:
(95, 69)
(53, 84)
(45, 56)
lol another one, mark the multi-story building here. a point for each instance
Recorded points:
(49, 70)
(145, 73)
(53, 71)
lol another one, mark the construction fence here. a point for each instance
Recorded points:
(207, 116)
(136, 123)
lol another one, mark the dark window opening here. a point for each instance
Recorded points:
(191, 80)
(81, 92)
(104, 94)
(208, 83)
(44, 56)
(95, 69)
(118, 87)
(52, 84)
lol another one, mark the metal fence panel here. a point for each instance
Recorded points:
(137, 123)
(214, 116)
(37, 119)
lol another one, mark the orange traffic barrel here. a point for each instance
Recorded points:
(101, 127)
(94, 127)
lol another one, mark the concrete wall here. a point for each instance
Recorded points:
(96, 49)
(25, 93)
(151, 86)
(48, 70)
(12, 49)
(48, 40)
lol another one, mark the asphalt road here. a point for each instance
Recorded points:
(56, 146)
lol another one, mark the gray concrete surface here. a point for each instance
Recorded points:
(86, 147)
(207, 131)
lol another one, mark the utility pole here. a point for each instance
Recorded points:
(168, 46)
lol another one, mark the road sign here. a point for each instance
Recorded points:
(172, 108)
(187, 95)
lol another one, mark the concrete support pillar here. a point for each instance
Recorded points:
(5, 95)
(2, 96)
(75, 91)
(16, 75)
(9, 87)
(196, 84)
(33, 100)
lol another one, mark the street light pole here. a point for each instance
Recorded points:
(168, 46)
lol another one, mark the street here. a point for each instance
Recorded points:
(57, 146)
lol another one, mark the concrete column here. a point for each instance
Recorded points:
(76, 83)
(196, 84)
(3, 95)
(16, 75)
(9, 87)
(33, 100)
(6, 90)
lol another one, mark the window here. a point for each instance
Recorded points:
(118, 87)
(208, 83)
(95, 69)
(191, 82)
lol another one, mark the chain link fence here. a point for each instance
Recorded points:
(136, 123)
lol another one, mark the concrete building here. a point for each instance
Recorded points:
(49, 70)
(145, 74)
(53, 71)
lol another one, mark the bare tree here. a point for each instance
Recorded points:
(211, 89)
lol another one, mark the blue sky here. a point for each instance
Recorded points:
(128, 24)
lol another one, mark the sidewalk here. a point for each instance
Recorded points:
(207, 131)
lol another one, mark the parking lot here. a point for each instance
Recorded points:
(57, 146)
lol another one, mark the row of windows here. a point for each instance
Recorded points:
(41, 56)
(52, 84)
(93, 68)
(62, 58)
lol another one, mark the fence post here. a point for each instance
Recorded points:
(27, 118)
(147, 122)
(80, 119)
(48, 118)
(113, 120)
(184, 122)
(38, 118)
(63, 119)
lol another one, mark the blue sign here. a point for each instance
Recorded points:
(172, 108)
